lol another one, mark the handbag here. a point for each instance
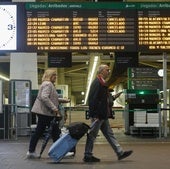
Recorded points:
(78, 129)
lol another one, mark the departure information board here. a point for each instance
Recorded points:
(92, 26)
(81, 29)
(154, 30)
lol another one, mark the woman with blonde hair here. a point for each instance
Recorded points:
(46, 108)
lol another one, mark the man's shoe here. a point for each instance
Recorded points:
(91, 159)
(125, 154)
(32, 155)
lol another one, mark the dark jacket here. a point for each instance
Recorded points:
(98, 104)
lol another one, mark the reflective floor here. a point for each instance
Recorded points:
(148, 153)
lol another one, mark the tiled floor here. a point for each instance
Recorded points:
(148, 153)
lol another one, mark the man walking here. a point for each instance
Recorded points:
(99, 112)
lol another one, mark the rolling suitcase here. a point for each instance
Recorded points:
(67, 141)
(61, 147)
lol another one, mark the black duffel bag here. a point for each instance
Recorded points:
(78, 129)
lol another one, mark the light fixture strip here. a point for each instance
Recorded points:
(96, 58)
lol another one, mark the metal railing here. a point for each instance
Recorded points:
(9, 121)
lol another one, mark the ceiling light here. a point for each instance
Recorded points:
(4, 78)
(91, 76)
(160, 72)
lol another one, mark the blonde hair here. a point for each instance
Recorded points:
(48, 74)
(101, 67)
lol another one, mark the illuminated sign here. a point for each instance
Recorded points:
(77, 30)
(153, 30)
(87, 26)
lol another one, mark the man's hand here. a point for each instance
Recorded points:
(117, 95)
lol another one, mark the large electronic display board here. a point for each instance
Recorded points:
(88, 26)
(81, 29)
(154, 30)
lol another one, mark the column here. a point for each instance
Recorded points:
(23, 66)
